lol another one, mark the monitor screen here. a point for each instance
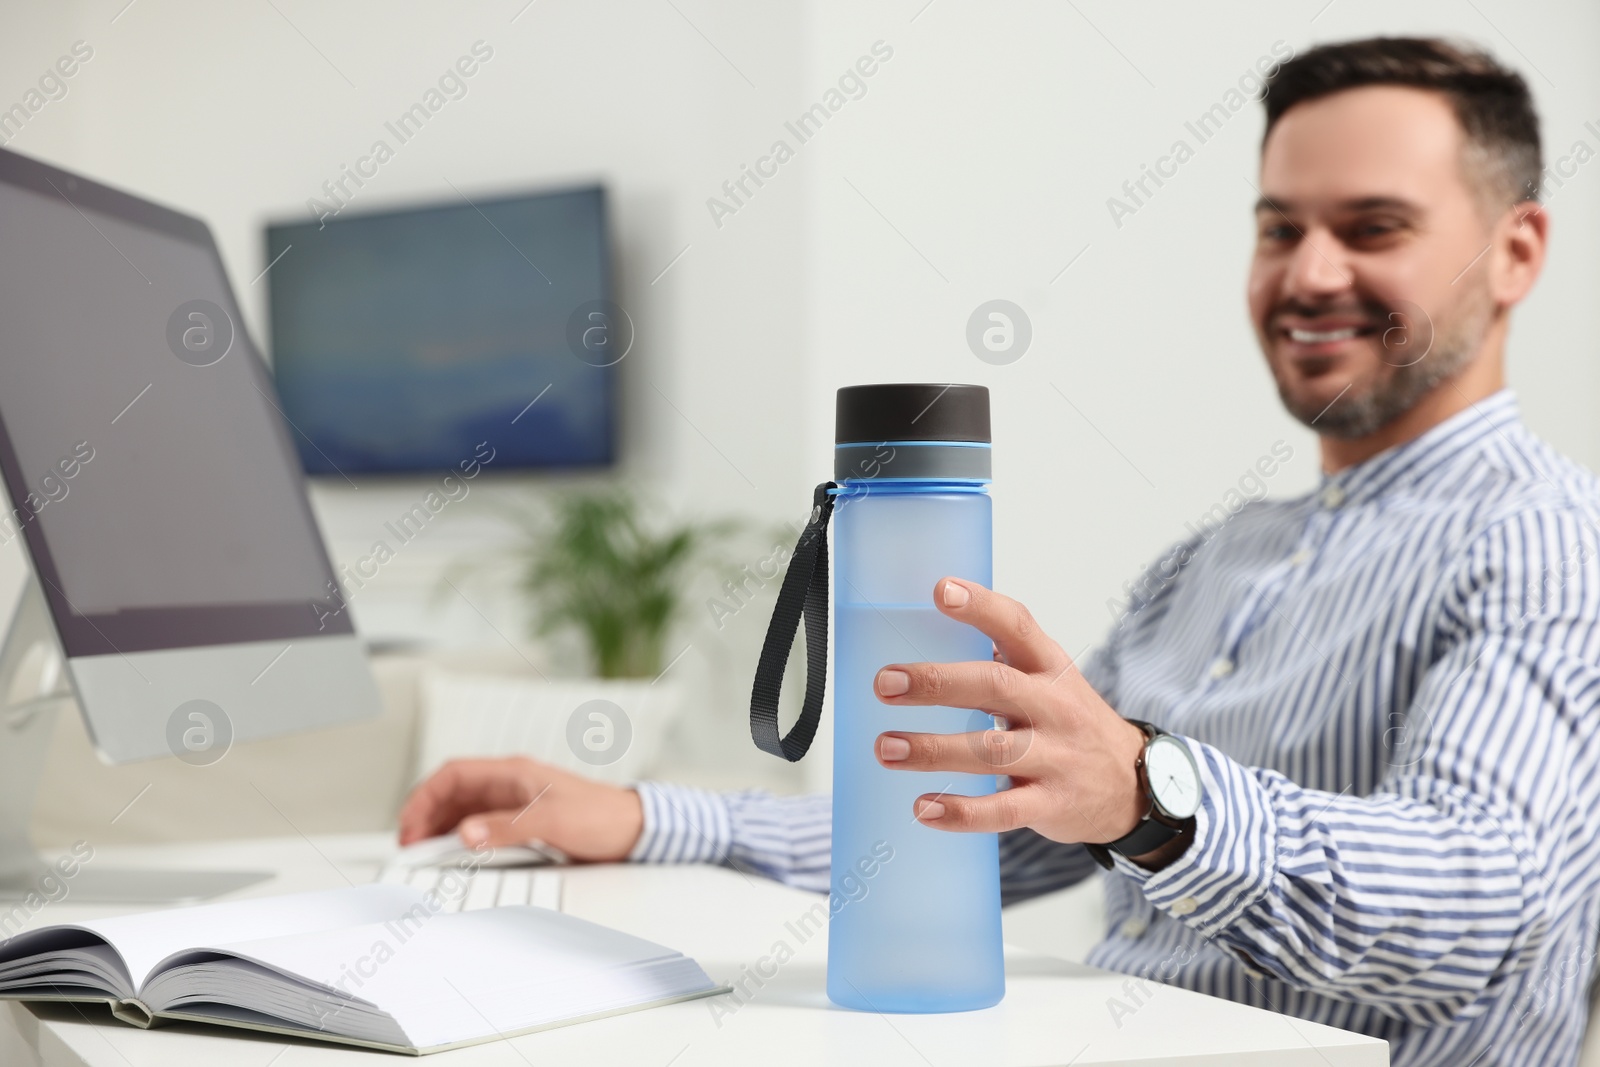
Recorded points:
(147, 463)
(403, 341)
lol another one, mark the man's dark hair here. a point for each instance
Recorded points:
(1491, 102)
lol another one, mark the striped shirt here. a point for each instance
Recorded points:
(1389, 685)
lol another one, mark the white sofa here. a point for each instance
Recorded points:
(341, 780)
(354, 778)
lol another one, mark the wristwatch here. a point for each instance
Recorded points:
(1169, 777)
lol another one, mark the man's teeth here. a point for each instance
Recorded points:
(1317, 337)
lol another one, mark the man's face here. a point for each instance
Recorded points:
(1368, 287)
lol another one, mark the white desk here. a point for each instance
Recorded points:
(1054, 1012)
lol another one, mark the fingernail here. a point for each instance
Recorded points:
(473, 833)
(893, 683)
(894, 748)
(930, 809)
(955, 596)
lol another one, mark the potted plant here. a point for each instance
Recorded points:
(592, 565)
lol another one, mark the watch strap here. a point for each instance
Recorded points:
(1148, 836)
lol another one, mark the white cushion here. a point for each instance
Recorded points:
(476, 714)
(344, 779)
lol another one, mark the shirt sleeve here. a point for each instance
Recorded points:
(1032, 865)
(782, 838)
(1424, 898)
(787, 839)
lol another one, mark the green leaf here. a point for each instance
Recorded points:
(590, 563)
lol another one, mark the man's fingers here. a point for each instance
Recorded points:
(425, 813)
(498, 829)
(985, 685)
(1017, 637)
(1008, 809)
(458, 789)
(978, 752)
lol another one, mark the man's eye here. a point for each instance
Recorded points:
(1278, 232)
(1376, 229)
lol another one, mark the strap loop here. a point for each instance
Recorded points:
(804, 593)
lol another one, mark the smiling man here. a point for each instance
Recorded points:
(1339, 759)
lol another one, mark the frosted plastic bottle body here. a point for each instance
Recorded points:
(915, 912)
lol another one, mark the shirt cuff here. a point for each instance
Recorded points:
(1233, 860)
(682, 825)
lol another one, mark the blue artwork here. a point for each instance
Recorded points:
(402, 340)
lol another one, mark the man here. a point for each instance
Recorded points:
(1388, 686)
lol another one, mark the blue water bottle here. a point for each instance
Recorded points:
(914, 912)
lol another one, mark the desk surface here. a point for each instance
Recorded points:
(1054, 1012)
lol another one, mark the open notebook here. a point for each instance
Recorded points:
(370, 965)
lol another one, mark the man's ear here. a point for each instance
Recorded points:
(1520, 239)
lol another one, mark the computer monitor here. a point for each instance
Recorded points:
(179, 572)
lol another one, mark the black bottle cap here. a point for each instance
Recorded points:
(912, 412)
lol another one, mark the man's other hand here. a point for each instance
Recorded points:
(1069, 755)
(496, 802)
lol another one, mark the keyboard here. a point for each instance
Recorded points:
(485, 887)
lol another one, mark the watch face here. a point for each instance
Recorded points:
(1174, 779)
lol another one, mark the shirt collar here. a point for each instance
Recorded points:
(1403, 464)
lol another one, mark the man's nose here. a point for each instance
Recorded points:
(1317, 267)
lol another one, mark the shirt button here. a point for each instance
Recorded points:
(1134, 927)
(1332, 496)
(1300, 558)
(1184, 906)
(1221, 668)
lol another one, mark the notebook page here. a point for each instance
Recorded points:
(467, 975)
(147, 938)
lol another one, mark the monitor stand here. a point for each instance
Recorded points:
(34, 689)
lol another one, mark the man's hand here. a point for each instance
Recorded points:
(499, 802)
(1069, 755)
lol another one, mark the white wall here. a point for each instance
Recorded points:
(239, 113)
(229, 112)
(983, 151)
(992, 142)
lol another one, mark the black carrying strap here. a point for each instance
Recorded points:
(804, 592)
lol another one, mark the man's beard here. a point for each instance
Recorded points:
(1369, 406)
